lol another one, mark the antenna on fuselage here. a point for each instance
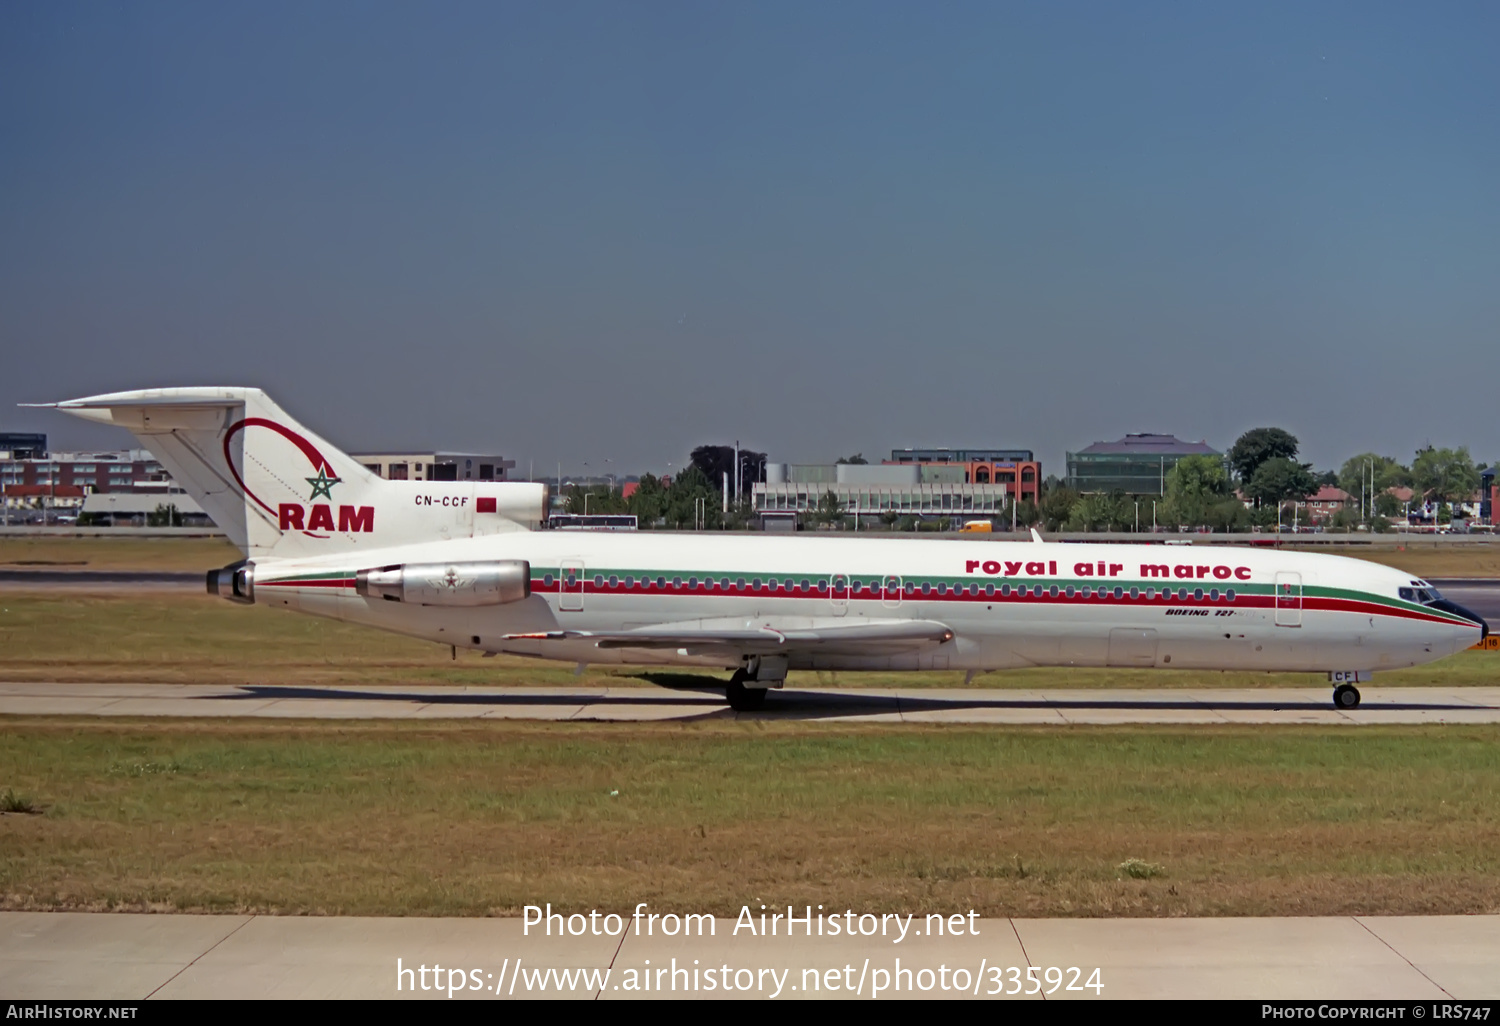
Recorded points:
(1036, 536)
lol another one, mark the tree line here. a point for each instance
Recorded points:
(1262, 466)
(693, 498)
(1201, 492)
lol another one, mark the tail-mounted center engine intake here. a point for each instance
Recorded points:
(448, 584)
(236, 582)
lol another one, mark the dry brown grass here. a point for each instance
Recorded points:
(473, 819)
(142, 554)
(1426, 557)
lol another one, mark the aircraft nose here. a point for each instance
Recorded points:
(1467, 614)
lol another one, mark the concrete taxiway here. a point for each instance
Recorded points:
(133, 957)
(894, 705)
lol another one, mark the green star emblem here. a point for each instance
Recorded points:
(322, 484)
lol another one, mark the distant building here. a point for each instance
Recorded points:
(61, 480)
(1135, 465)
(1328, 501)
(22, 446)
(136, 508)
(1017, 469)
(92, 471)
(435, 466)
(870, 489)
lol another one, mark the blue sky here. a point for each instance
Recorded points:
(575, 231)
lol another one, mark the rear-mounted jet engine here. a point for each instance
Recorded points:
(448, 584)
(236, 582)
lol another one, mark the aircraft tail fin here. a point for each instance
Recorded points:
(276, 488)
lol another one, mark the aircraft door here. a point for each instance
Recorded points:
(1132, 646)
(1288, 599)
(570, 594)
(839, 593)
(891, 593)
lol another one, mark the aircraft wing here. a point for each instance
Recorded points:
(766, 636)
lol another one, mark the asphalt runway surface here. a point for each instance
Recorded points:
(102, 580)
(1482, 595)
(81, 955)
(846, 705)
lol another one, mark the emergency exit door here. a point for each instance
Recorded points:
(839, 592)
(1288, 599)
(570, 587)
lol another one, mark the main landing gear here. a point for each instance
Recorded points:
(1346, 696)
(742, 698)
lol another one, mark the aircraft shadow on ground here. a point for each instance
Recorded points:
(706, 694)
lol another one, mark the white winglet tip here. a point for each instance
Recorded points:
(1036, 536)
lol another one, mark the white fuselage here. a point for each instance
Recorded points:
(1008, 604)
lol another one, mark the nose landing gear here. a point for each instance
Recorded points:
(1346, 696)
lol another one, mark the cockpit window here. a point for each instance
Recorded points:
(1426, 596)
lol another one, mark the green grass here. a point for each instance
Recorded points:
(480, 818)
(178, 638)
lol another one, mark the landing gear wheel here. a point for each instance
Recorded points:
(1346, 696)
(741, 698)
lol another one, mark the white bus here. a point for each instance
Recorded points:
(592, 522)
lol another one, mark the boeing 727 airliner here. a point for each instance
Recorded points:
(457, 563)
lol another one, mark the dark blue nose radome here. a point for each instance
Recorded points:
(1458, 610)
